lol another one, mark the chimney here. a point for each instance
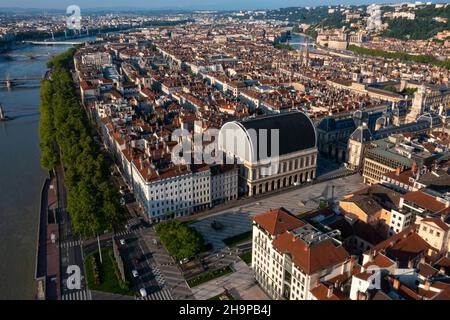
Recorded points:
(414, 167)
(422, 259)
(426, 285)
(397, 171)
(396, 284)
(410, 264)
(330, 291)
(442, 271)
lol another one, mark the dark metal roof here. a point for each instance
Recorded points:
(362, 134)
(296, 131)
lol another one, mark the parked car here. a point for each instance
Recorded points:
(143, 292)
(135, 273)
(185, 260)
(296, 183)
(122, 242)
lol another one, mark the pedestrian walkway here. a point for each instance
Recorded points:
(159, 295)
(157, 273)
(123, 233)
(70, 244)
(78, 295)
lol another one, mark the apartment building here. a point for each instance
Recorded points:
(291, 257)
(391, 154)
(224, 183)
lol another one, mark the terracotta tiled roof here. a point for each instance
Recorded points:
(278, 221)
(381, 261)
(441, 224)
(424, 200)
(310, 258)
(321, 293)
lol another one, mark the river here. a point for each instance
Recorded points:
(21, 176)
(299, 41)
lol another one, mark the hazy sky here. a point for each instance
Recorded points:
(180, 4)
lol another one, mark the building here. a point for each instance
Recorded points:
(275, 151)
(357, 144)
(390, 154)
(224, 183)
(291, 258)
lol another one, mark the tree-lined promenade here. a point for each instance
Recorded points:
(65, 138)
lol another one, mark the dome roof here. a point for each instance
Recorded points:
(296, 133)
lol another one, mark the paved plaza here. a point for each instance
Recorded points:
(238, 219)
(241, 284)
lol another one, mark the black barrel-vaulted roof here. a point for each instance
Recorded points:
(296, 131)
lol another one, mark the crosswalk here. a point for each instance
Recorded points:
(159, 295)
(70, 244)
(77, 295)
(158, 276)
(123, 233)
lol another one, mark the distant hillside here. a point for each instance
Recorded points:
(422, 27)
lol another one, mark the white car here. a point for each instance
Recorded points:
(122, 242)
(135, 273)
(296, 183)
(143, 292)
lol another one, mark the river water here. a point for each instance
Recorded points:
(21, 176)
(300, 41)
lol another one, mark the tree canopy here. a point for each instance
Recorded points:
(180, 240)
(65, 137)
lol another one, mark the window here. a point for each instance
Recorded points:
(424, 228)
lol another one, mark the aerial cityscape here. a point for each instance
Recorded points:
(194, 151)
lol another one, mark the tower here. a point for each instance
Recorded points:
(418, 104)
(357, 143)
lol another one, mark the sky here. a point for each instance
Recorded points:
(179, 4)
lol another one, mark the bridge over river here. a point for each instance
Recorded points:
(31, 55)
(11, 82)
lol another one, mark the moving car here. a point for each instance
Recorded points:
(135, 273)
(143, 292)
(122, 242)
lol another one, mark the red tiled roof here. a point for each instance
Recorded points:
(321, 293)
(424, 201)
(310, 258)
(278, 221)
(441, 224)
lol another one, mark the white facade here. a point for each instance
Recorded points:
(278, 275)
(100, 59)
(224, 186)
(400, 220)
